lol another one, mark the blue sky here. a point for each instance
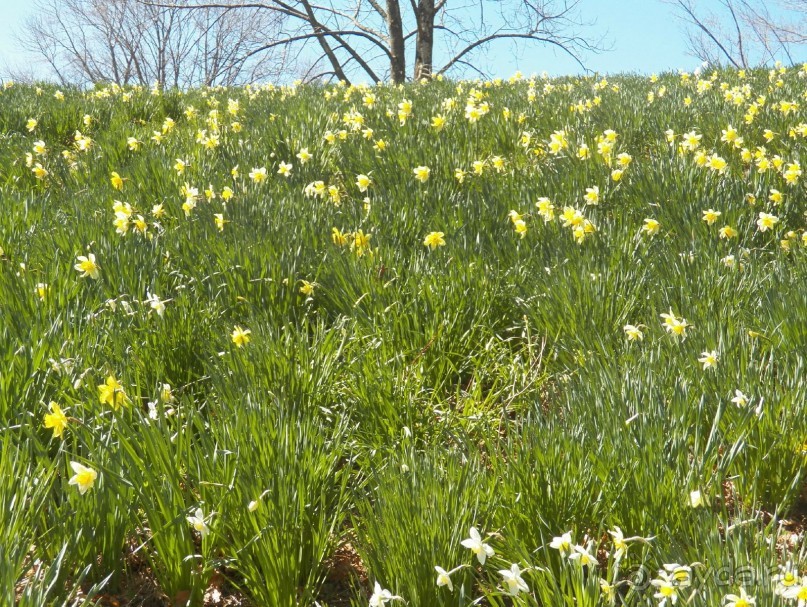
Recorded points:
(645, 35)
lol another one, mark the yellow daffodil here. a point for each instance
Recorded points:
(434, 240)
(116, 180)
(710, 216)
(241, 336)
(111, 393)
(56, 419)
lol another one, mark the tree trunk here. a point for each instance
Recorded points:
(424, 46)
(396, 39)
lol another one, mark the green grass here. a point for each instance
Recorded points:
(414, 393)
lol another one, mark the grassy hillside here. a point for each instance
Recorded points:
(286, 344)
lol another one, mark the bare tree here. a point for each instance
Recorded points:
(127, 42)
(744, 33)
(377, 38)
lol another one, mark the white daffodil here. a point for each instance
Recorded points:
(620, 545)
(382, 596)
(444, 578)
(156, 303)
(475, 544)
(666, 590)
(740, 399)
(513, 580)
(582, 556)
(562, 543)
(680, 575)
(197, 521)
(785, 580)
(741, 600)
(796, 591)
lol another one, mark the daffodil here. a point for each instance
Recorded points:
(116, 180)
(111, 393)
(41, 290)
(766, 221)
(83, 477)
(673, 324)
(633, 333)
(545, 209)
(513, 581)
(363, 182)
(475, 544)
(434, 240)
(88, 266)
(444, 578)
(798, 592)
(727, 232)
(582, 555)
(422, 173)
(157, 305)
(666, 590)
(338, 238)
(562, 543)
(717, 163)
(619, 542)
(608, 591)
(651, 227)
(710, 216)
(382, 596)
(680, 575)
(739, 600)
(739, 399)
(241, 336)
(708, 359)
(786, 580)
(56, 419)
(258, 175)
(285, 169)
(197, 521)
(39, 171)
(361, 242)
